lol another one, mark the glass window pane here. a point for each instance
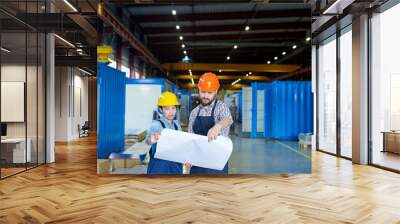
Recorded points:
(32, 96)
(346, 93)
(14, 148)
(327, 96)
(41, 98)
(385, 80)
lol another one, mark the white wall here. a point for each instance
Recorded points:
(141, 101)
(71, 102)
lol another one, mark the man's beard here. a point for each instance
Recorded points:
(206, 104)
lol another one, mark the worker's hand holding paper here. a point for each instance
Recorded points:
(183, 147)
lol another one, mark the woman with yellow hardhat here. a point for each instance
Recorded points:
(168, 104)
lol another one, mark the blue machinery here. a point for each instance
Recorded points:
(111, 85)
(164, 83)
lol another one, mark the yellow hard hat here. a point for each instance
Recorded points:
(168, 99)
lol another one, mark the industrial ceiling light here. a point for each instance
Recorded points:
(184, 52)
(250, 73)
(308, 39)
(186, 59)
(65, 41)
(183, 46)
(70, 5)
(180, 38)
(192, 81)
(5, 50)
(177, 27)
(337, 7)
(174, 12)
(247, 74)
(284, 53)
(247, 28)
(219, 70)
(268, 62)
(275, 58)
(235, 46)
(235, 82)
(228, 58)
(86, 72)
(294, 47)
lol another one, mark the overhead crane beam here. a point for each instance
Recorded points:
(224, 67)
(226, 77)
(238, 86)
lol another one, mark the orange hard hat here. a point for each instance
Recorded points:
(208, 82)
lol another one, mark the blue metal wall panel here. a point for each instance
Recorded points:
(111, 111)
(288, 109)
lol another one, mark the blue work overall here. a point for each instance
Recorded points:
(160, 166)
(201, 126)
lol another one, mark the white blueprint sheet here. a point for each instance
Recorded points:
(183, 147)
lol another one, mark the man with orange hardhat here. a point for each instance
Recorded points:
(211, 118)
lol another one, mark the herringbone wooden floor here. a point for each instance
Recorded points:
(70, 191)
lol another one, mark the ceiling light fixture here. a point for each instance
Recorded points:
(184, 52)
(180, 38)
(86, 72)
(294, 47)
(247, 28)
(275, 58)
(235, 82)
(308, 39)
(183, 46)
(177, 27)
(174, 12)
(64, 40)
(5, 49)
(235, 46)
(70, 5)
(192, 81)
(284, 53)
(219, 70)
(268, 62)
(228, 58)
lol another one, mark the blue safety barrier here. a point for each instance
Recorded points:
(111, 110)
(288, 109)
